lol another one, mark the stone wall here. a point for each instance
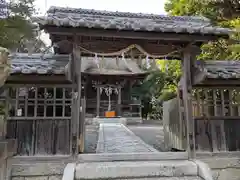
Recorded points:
(2, 169)
(224, 168)
(37, 171)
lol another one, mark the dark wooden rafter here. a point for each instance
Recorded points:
(37, 79)
(130, 34)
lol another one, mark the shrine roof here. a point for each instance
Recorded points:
(23, 63)
(211, 72)
(220, 69)
(86, 18)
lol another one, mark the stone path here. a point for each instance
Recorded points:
(117, 138)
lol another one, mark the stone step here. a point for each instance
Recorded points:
(167, 178)
(162, 170)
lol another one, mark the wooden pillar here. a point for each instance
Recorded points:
(77, 99)
(187, 100)
(119, 101)
(98, 101)
(82, 125)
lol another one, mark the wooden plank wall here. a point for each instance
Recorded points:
(173, 126)
(43, 128)
(217, 116)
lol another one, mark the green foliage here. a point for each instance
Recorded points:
(17, 26)
(224, 13)
(158, 86)
(162, 85)
(172, 72)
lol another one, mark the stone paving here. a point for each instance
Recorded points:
(117, 138)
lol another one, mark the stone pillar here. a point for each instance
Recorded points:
(119, 101)
(98, 101)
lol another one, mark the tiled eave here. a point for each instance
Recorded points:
(83, 18)
(50, 64)
(216, 70)
(39, 64)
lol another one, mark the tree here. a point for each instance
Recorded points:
(17, 25)
(224, 13)
(160, 85)
(220, 10)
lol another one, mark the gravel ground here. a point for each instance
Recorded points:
(150, 134)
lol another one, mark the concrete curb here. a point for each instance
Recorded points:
(100, 143)
(140, 140)
(69, 172)
(204, 170)
(111, 157)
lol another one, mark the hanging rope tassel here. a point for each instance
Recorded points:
(147, 62)
(96, 60)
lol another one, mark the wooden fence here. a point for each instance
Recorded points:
(216, 113)
(40, 118)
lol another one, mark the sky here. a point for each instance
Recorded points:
(149, 6)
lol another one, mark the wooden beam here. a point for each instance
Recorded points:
(130, 34)
(37, 79)
(217, 118)
(187, 101)
(218, 83)
(77, 101)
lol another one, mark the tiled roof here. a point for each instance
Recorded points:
(56, 64)
(38, 64)
(70, 17)
(220, 69)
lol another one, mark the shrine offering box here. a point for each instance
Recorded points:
(110, 114)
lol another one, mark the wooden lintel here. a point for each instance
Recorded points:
(217, 118)
(130, 34)
(37, 79)
(218, 83)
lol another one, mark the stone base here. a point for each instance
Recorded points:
(119, 120)
(134, 120)
(224, 168)
(37, 171)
